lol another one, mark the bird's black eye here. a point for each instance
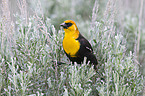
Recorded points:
(68, 24)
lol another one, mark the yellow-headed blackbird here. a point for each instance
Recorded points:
(75, 45)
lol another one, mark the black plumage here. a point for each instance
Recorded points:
(85, 50)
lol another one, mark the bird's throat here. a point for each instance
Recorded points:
(70, 33)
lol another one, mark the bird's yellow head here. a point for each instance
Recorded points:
(69, 25)
(70, 28)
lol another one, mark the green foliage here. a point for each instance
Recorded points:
(130, 28)
(118, 68)
(60, 10)
(31, 49)
(32, 67)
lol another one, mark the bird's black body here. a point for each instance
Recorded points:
(85, 50)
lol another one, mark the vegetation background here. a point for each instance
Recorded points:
(31, 45)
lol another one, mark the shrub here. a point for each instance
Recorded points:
(30, 50)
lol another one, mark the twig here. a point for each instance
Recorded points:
(139, 28)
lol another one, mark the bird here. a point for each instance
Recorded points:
(76, 46)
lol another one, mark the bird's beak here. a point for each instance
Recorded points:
(63, 25)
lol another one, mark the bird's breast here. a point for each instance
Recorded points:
(71, 46)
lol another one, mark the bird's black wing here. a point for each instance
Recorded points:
(85, 46)
(86, 50)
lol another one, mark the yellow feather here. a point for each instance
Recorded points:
(70, 44)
